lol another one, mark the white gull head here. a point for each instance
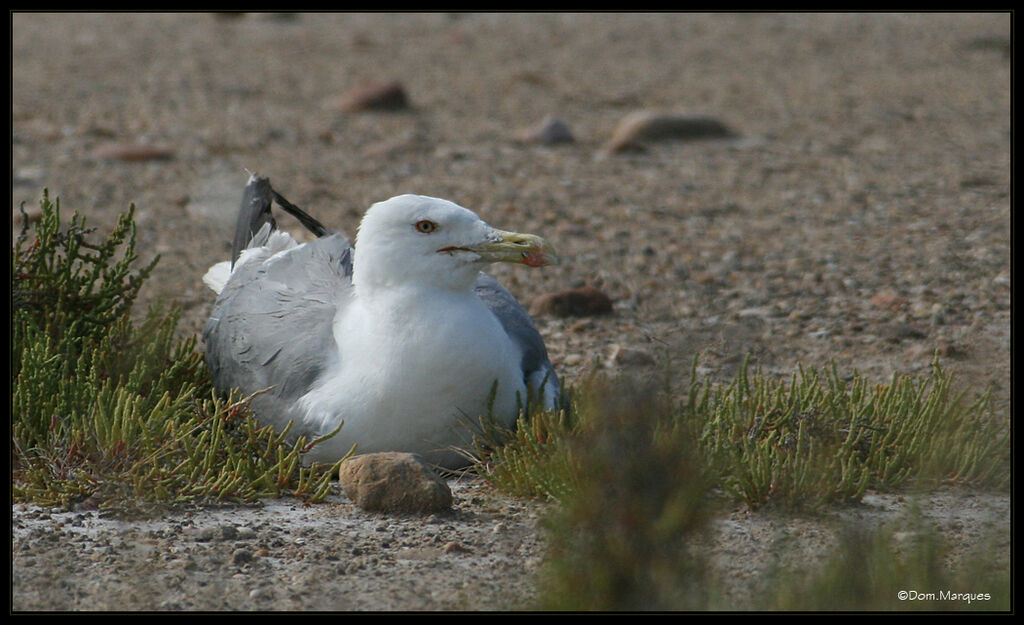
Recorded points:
(415, 240)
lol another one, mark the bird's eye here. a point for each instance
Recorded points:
(425, 226)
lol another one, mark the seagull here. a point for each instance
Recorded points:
(401, 340)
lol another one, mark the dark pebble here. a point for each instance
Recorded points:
(241, 556)
(549, 131)
(580, 302)
(387, 96)
(902, 331)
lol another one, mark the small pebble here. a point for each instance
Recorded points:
(571, 360)
(625, 357)
(245, 533)
(887, 300)
(902, 331)
(241, 556)
(261, 594)
(551, 130)
(454, 547)
(950, 350)
(579, 302)
(386, 96)
(583, 325)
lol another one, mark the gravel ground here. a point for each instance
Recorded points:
(861, 215)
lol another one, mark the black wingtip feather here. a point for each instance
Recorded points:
(256, 211)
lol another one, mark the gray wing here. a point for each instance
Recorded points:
(271, 327)
(538, 372)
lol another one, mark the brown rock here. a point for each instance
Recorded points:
(454, 547)
(625, 357)
(953, 351)
(394, 482)
(388, 96)
(582, 302)
(888, 300)
(549, 131)
(645, 126)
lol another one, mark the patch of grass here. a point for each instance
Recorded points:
(808, 441)
(817, 439)
(633, 470)
(110, 410)
(533, 458)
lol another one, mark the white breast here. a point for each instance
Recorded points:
(424, 381)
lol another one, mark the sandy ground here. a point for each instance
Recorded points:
(861, 215)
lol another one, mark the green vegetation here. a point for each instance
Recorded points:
(632, 492)
(805, 442)
(636, 471)
(812, 441)
(114, 411)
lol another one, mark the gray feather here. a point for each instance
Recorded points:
(519, 327)
(271, 326)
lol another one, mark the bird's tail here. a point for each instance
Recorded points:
(255, 213)
(256, 233)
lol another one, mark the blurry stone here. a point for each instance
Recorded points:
(261, 594)
(386, 96)
(952, 351)
(245, 533)
(887, 300)
(972, 182)
(571, 360)
(761, 312)
(584, 325)
(994, 43)
(393, 482)
(123, 151)
(897, 332)
(551, 130)
(645, 126)
(626, 357)
(28, 176)
(580, 302)
(454, 547)
(241, 556)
